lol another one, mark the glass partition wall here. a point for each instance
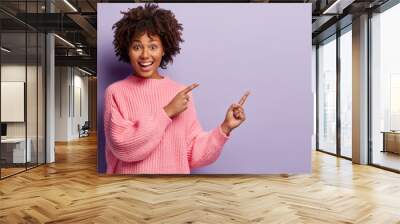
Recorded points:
(327, 95)
(22, 77)
(334, 75)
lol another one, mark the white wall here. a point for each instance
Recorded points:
(80, 101)
(62, 81)
(71, 93)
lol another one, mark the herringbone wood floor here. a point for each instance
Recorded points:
(70, 191)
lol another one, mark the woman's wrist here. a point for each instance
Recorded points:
(168, 112)
(226, 129)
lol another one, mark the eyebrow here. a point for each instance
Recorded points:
(151, 40)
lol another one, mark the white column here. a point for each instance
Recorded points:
(50, 92)
(50, 109)
(360, 90)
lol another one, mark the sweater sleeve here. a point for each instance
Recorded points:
(132, 140)
(204, 147)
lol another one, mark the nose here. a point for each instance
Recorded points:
(144, 54)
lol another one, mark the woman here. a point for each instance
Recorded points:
(151, 125)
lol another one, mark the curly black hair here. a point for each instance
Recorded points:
(154, 21)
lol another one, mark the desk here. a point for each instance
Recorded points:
(391, 141)
(13, 150)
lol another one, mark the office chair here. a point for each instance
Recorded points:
(84, 130)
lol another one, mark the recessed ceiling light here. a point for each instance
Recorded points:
(70, 5)
(64, 40)
(5, 50)
(337, 7)
(86, 72)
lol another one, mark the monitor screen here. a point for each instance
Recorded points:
(3, 129)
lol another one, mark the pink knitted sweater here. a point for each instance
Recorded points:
(142, 139)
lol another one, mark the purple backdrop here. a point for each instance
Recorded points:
(228, 49)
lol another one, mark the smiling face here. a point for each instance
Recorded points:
(145, 55)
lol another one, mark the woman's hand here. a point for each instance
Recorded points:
(180, 102)
(235, 115)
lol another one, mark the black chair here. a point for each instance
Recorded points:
(84, 130)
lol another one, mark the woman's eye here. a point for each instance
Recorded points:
(136, 47)
(153, 47)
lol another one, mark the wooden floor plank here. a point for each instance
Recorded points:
(71, 191)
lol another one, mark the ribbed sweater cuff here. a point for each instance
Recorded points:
(222, 137)
(164, 119)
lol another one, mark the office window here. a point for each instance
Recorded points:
(327, 95)
(385, 88)
(346, 92)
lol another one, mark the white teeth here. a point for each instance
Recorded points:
(145, 64)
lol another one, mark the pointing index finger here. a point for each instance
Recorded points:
(244, 97)
(190, 88)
